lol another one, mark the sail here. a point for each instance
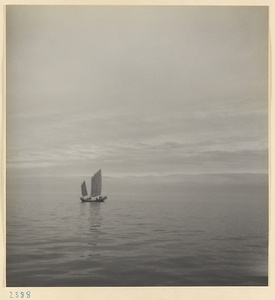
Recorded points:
(96, 184)
(84, 189)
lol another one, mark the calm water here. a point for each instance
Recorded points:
(55, 240)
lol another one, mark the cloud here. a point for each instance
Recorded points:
(140, 159)
(152, 91)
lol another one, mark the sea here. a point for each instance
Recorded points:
(203, 236)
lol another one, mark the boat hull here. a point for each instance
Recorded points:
(99, 199)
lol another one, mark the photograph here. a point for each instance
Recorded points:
(137, 146)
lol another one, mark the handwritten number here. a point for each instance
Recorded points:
(17, 294)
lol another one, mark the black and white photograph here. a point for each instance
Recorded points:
(137, 146)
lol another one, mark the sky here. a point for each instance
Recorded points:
(136, 91)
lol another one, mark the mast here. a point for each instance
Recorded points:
(96, 184)
(84, 189)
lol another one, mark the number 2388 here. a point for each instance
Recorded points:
(20, 294)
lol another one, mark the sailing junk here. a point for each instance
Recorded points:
(96, 184)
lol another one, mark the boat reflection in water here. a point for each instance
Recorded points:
(92, 220)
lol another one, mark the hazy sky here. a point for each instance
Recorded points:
(136, 90)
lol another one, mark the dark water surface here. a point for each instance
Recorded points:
(55, 240)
